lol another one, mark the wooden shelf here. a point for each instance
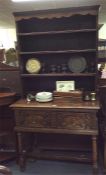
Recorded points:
(65, 146)
(58, 52)
(56, 32)
(62, 155)
(59, 75)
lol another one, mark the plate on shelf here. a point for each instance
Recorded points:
(44, 100)
(44, 96)
(33, 65)
(77, 64)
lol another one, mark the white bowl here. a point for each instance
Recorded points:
(44, 95)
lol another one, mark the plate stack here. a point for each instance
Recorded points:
(44, 96)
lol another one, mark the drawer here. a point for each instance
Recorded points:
(56, 119)
(30, 118)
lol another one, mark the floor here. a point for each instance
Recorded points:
(43, 167)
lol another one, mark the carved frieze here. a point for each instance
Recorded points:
(56, 119)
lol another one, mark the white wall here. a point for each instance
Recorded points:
(8, 38)
(102, 32)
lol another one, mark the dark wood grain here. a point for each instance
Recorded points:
(57, 117)
(53, 37)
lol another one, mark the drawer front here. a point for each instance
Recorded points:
(56, 119)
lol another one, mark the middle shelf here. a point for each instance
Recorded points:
(60, 75)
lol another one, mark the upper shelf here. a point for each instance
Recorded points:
(58, 52)
(56, 32)
(59, 21)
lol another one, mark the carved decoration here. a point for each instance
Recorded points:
(56, 119)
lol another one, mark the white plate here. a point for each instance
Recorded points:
(44, 95)
(44, 100)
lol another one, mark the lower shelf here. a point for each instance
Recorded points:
(62, 155)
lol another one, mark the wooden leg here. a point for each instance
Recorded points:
(94, 154)
(20, 151)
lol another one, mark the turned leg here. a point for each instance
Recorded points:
(94, 155)
(20, 152)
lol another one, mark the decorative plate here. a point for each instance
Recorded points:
(33, 65)
(77, 64)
